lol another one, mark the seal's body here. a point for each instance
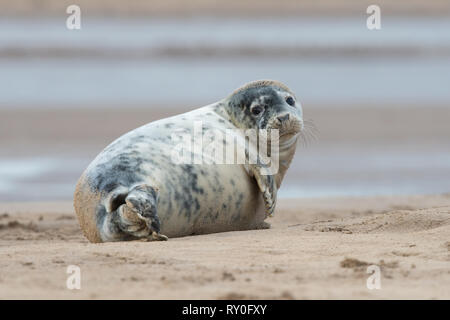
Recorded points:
(134, 189)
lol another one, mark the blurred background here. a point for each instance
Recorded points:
(380, 99)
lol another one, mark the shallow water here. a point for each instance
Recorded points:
(60, 83)
(125, 62)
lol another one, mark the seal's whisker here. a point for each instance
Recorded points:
(313, 135)
(309, 133)
(309, 123)
(304, 139)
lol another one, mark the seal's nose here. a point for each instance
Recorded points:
(283, 118)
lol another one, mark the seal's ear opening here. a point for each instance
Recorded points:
(115, 199)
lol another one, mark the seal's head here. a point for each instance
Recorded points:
(266, 104)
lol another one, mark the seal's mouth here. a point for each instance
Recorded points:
(287, 125)
(293, 130)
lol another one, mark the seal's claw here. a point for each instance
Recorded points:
(158, 236)
(270, 202)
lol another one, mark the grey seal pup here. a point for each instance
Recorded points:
(135, 190)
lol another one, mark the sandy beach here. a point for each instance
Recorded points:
(316, 249)
(369, 186)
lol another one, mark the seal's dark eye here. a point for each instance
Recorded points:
(290, 101)
(257, 110)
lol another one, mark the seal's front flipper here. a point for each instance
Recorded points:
(267, 186)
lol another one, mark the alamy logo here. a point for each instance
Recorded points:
(234, 146)
(73, 22)
(374, 281)
(74, 278)
(374, 20)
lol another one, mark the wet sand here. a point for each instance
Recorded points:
(316, 248)
(82, 129)
(358, 150)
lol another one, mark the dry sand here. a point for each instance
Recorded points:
(316, 248)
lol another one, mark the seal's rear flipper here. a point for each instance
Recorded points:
(115, 199)
(135, 211)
